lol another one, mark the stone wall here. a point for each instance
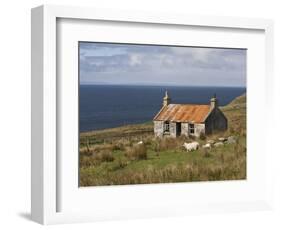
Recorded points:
(198, 129)
(173, 131)
(158, 128)
(184, 129)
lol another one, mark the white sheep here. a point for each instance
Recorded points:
(191, 146)
(222, 139)
(206, 146)
(217, 144)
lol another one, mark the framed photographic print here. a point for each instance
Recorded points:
(138, 115)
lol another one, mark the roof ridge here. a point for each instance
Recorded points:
(159, 112)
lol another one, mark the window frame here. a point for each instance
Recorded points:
(166, 124)
(191, 128)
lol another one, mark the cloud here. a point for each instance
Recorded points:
(112, 60)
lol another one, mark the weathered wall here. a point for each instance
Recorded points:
(184, 129)
(158, 128)
(173, 131)
(216, 121)
(199, 128)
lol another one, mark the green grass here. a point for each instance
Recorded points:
(108, 173)
(166, 160)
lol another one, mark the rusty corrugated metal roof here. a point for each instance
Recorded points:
(183, 113)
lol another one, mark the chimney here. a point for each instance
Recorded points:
(214, 102)
(166, 99)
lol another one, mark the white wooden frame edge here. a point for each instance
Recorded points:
(43, 114)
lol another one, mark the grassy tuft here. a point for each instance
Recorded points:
(137, 152)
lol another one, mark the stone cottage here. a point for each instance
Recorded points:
(188, 119)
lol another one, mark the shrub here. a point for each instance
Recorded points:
(87, 161)
(137, 152)
(240, 149)
(122, 163)
(117, 146)
(108, 147)
(202, 136)
(165, 144)
(95, 159)
(191, 137)
(206, 153)
(85, 152)
(104, 156)
(88, 145)
(222, 158)
(231, 130)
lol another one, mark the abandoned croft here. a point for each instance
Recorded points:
(188, 119)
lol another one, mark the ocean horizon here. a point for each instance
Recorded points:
(103, 106)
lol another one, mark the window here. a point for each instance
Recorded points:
(166, 126)
(191, 128)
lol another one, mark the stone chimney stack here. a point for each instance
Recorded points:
(214, 102)
(166, 99)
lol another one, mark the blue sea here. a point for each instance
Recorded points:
(107, 106)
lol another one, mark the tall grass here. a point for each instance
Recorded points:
(206, 165)
(168, 143)
(95, 159)
(172, 173)
(137, 152)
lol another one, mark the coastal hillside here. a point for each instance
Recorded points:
(235, 112)
(132, 155)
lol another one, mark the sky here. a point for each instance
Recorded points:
(131, 64)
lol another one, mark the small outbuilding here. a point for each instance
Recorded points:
(188, 119)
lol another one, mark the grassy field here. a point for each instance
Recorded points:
(112, 156)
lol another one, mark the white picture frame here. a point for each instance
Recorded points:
(46, 164)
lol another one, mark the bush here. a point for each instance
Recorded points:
(202, 136)
(137, 152)
(104, 156)
(85, 152)
(87, 161)
(206, 153)
(117, 146)
(108, 147)
(191, 137)
(165, 144)
(95, 159)
(231, 130)
(122, 163)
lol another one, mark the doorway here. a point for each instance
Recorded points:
(178, 128)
